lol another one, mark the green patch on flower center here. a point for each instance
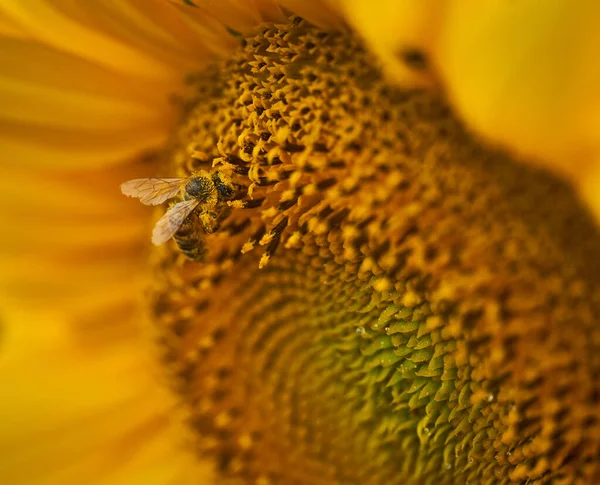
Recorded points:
(387, 301)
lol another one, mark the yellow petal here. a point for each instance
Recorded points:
(64, 92)
(525, 74)
(51, 26)
(70, 236)
(77, 413)
(37, 146)
(58, 111)
(59, 190)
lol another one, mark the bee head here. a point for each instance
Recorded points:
(199, 187)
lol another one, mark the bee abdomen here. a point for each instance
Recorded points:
(190, 243)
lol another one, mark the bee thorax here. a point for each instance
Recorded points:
(200, 187)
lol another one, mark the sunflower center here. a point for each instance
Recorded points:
(383, 300)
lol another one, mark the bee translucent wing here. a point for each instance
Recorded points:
(168, 224)
(152, 191)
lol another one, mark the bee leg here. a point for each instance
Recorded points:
(209, 221)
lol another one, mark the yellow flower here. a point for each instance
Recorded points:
(432, 308)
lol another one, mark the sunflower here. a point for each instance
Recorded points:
(402, 287)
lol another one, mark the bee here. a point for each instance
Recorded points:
(205, 195)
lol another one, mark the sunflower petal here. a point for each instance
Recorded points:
(131, 432)
(53, 27)
(525, 74)
(69, 234)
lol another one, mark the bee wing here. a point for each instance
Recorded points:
(168, 224)
(152, 191)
